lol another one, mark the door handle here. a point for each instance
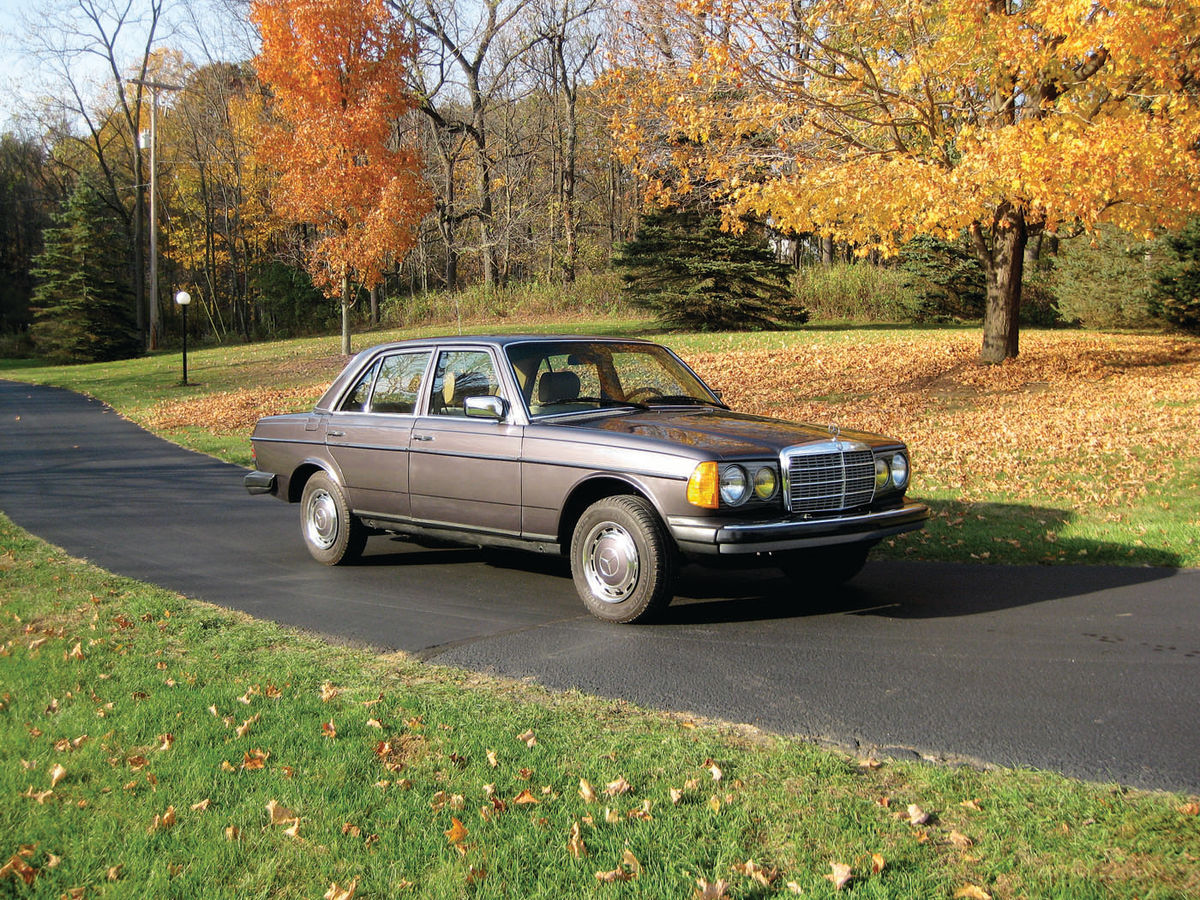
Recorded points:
(422, 437)
(335, 434)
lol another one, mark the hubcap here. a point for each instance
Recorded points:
(321, 520)
(610, 562)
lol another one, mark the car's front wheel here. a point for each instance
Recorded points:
(824, 566)
(622, 560)
(332, 535)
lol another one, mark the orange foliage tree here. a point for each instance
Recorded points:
(872, 121)
(336, 69)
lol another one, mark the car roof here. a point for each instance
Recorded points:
(503, 340)
(498, 341)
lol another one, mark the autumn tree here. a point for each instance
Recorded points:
(336, 69)
(871, 121)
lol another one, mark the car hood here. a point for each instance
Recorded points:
(725, 433)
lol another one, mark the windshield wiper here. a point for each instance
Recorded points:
(609, 402)
(678, 399)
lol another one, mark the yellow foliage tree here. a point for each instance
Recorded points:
(872, 121)
(336, 70)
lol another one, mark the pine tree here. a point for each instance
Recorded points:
(83, 303)
(694, 276)
(1177, 294)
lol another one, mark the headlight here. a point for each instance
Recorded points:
(882, 473)
(899, 466)
(734, 485)
(765, 483)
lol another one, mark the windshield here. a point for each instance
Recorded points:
(577, 376)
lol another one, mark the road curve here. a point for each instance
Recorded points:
(1089, 671)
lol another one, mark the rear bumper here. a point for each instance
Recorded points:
(260, 482)
(724, 536)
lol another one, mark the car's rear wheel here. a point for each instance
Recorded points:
(331, 533)
(622, 560)
(824, 566)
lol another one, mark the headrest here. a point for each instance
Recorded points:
(555, 387)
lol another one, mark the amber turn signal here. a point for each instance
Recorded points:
(703, 487)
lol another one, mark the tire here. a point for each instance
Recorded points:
(332, 535)
(622, 560)
(825, 566)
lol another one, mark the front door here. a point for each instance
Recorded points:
(465, 472)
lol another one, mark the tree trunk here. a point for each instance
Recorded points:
(346, 315)
(1002, 256)
(827, 250)
(374, 305)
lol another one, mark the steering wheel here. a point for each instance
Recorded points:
(647, 392)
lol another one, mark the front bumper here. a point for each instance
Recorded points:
(730, 536)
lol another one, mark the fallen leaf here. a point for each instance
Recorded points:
(877, 863)
(328, 729)
(611, 816)
(575, 844)
(870, 763)
(971, 892)
(618, 787)
(115, 872)
(491, 758)
(279, 814)
(294, 830)
(527, 738)
(18, 867)
(525, 798)
(960, 840)
(202, 805)
(242, 729)
(916, 815)
(457, 832)
(676, 795)
(795, 888)
(714, 803)
(328, 692)
(1190, 809)
(57, 774)
(714, 770)
(710, 890)
(232, 833)
(374, 723)
(586, 791)
(840, 876)
(971, 805)
(254, 759)
(751, 869)
(165, 741)
(341, 893)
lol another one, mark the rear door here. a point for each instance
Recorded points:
(369, 434)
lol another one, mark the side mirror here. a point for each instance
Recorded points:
(485, 408)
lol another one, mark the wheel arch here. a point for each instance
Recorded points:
(303, 472)
(591, 490)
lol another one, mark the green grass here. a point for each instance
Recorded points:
(150, 663)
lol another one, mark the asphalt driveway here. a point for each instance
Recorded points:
(1089, 671)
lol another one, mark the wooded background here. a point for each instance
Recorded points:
(875, 147)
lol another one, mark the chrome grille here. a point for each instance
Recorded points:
(829, 477)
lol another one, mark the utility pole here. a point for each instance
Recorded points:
(155, 87)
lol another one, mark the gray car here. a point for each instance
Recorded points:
(611, 451)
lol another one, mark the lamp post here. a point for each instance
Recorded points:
(155, 87)
(183, 298)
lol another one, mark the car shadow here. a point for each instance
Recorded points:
(892, 589)
(898, 589)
